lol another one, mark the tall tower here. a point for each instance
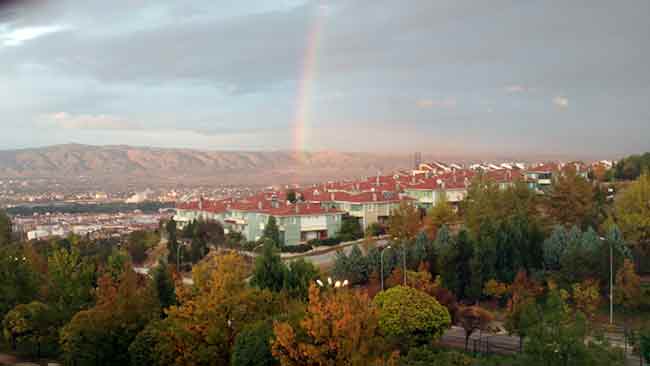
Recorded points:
(417, 160)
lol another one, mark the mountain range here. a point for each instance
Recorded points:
(116, 165)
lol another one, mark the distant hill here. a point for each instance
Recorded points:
(117, 165)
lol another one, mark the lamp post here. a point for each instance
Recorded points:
(382, 266)
(611, 280)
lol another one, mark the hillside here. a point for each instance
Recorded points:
(125, 164)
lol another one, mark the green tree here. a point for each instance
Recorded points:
(172, 240)
(558, 338)
(144, 348)
(5, 229)
(164, 285)
(32, 329)
(353, 267)
(456, 271)
(116, 263)
(555, 247)
(350, 229)
(272, 232)
(70, 284)
(291, 196)
(18, 282)
(253, 346)
(298, 277)
(411, 316)
(633, 212)
(269, 272)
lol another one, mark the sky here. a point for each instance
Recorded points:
(436, 76)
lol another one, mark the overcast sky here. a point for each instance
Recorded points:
(430, 75)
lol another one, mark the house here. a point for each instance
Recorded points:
(297, 223)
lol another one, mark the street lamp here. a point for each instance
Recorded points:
(611, 281)
(382, 266)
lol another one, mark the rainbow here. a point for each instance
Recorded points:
(305, 84)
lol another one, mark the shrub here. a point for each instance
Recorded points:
(300, 248)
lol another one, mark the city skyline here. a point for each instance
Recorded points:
(501, 78)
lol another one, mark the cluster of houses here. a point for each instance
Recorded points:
(318, 210)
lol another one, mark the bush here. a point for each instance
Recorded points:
(300, 248)
(249, 246)
(329, 242)
(411, 316)
(428, 356)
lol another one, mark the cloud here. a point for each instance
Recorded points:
(90, 122)
(561, 102)
(18, 36)
(446, 103)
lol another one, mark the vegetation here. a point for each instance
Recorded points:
(5, 229)
(631, 167)
(633, 212)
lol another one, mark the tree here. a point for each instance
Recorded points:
(172, 240)
(138, 244)
(164, 285)
(32, 328)
(631, 167)
(586, 296)
(209, 232)
(5, 229)
(429, 356)
(298, 277)
(440, 214)
(202, 329)
(102, 335)
(70, 282)
(456, 271)
(556, 337)
(411, 316)
(350, 229)
(291, 196)
(353, 267)
(404, 222)
(473, 318)
(339, 328)
(633, 212)
(523, 295)
(272, 232)
(144, 348)
(253, 346)
(628, 286)
(571, 201)
(269, 272)
(18, 282)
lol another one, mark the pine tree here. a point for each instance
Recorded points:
(272, 232)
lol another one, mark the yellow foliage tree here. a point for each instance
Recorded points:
(628, 286)
(340, 328)
(440, 214)
(404, 222)
(586, 297)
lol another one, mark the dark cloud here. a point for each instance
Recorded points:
(520, 74)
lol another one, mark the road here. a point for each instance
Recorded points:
(328, 257)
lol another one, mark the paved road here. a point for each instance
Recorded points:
(329, 257)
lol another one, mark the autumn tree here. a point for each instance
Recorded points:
(411, 316)
(586, 296)
(102, 334)
(571, 201)
(202, 329)
(523, 295)
(340, 328)
(404, 222)
(473, 318)
(628, 286)
(633, 212)
(440, 214)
